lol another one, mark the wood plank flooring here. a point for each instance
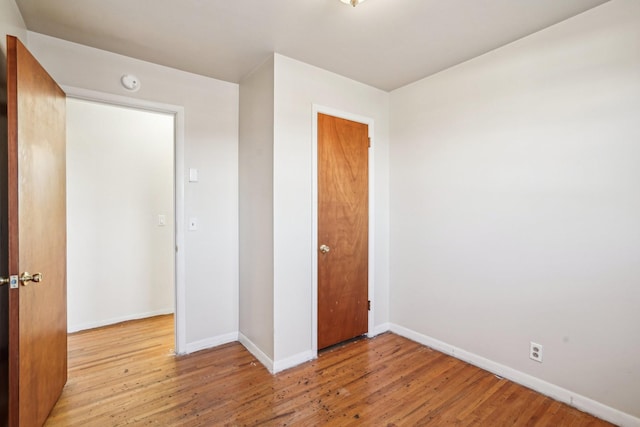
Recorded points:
(126, 374)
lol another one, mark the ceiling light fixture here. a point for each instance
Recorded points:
(353, 3)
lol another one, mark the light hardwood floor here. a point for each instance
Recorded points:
(126, 374)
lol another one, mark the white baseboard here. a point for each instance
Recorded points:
(274, 366)
(578, 401)
(211, 342)
(112, 321)
(290, 362)
(253, 349)
(380, 329)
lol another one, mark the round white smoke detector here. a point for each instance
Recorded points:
(130, 82)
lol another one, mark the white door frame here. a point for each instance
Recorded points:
(314, 212)
(179, 226)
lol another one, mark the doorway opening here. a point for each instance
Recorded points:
(123, 212)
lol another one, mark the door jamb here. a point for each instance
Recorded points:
(179, 226)
(316, 109)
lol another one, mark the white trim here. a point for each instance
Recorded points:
(274, 366)
(208, 343)
(381, 329)
(290, 362)
(112, 321)
(257, 353)
(179, 230)
(314, 217)
(578, 401)
(180, 225)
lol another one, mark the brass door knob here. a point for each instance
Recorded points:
(324, 249)
(25, 278)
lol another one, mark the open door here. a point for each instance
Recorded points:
(343, 229)
(34, 226)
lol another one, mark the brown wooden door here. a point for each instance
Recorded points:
(36, 211)
(343, 229)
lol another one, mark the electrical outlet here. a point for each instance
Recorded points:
(535, 352)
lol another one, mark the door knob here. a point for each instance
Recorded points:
(324, 249)
(25, 278)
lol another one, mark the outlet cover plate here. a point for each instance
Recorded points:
(535, 351)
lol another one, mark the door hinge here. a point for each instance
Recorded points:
(369, 305)
(369, 139)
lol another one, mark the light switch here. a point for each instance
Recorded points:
(193, 175)
(162, 220)
(193, 224)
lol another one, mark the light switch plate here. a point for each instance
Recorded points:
(193, 175)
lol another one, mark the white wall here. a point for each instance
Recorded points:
(276, 182)
(211, 145)
(11, 23)
(515, 206)
(297, 87)
(256, 209)
(119, 179)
